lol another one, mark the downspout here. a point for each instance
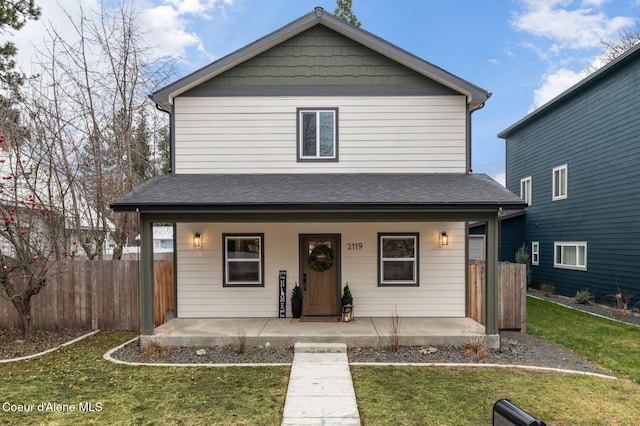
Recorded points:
(468, 132)
(171, 139)
(173, 224)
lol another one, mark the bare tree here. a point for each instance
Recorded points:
(30, 225)
(614, 48)
(94, 97)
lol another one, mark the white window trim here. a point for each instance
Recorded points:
(576, 244)
(526, 195)
(317, 157)
(561, 195)
(535, 253)
(381, 260)
(259, 260)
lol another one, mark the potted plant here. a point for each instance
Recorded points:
(347, 304)
(296, 301)
(347, 297)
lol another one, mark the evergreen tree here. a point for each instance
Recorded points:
(14, 14)
(141, 150)
(344, 12)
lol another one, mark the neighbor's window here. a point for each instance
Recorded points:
(525, 190)
(243, 260)
(318, 134)
(560, 183)
(535, 253)
(570, 255)
(398, 259)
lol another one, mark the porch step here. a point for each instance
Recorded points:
(320, 348)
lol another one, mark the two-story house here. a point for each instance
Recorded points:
(575, 162)
(326, 152)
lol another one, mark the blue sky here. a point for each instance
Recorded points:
(525, 52)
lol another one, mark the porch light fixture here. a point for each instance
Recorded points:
(197, 240)
(444, 238)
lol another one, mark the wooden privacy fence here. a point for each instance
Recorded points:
(512, 294)
(94, 294)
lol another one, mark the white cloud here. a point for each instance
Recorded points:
(168, 24)
(501, 178)
(553, 84)
(567, 26)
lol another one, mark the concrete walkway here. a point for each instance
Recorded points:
(320, 387)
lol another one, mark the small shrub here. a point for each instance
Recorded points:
(476, 350)
(394, 332)
(157, 350)
(241, 342)
(585, 297)
(547, 289)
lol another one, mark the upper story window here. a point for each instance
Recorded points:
(560, 178)
(525, 190)
(318, 134)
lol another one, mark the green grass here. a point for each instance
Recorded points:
(139, 395)
(463, 396)
(610, 344)
(386, 395)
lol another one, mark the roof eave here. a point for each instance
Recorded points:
(319, 208)
(570, 92)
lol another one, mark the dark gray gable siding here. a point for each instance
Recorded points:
(597, 134)
(319, 61)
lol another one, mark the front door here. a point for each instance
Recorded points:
(320, 269)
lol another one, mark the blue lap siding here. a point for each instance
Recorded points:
(593, 128)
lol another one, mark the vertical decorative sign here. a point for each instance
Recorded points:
(283, 294)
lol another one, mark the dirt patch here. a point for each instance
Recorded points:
(13, 345)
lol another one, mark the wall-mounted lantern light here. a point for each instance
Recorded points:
(444, 238)
(197, 240)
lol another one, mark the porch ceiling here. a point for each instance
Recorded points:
(193, 193)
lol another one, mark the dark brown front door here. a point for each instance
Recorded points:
(320, 283)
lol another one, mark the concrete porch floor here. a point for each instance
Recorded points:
(281, 332)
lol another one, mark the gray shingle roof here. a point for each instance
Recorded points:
(290, 192)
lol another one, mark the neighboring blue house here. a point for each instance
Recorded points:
(575, 161)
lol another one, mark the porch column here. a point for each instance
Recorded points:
(147, 318)
(492, 276)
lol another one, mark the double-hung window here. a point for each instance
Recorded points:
(243, 260)
(318, 134)
(570, 255)
(525, 190)
(535, 252)
(398, 259)
(560, 177)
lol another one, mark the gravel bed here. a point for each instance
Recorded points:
(516, 348)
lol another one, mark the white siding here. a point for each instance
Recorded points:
(442, 270)
(376, 134)
(476, 247)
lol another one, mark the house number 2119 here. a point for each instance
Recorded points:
(354, 246)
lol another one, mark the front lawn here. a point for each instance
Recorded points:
(99, 392)
(608, 343)
(463, 396)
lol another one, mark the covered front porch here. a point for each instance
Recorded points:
(283, 332)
